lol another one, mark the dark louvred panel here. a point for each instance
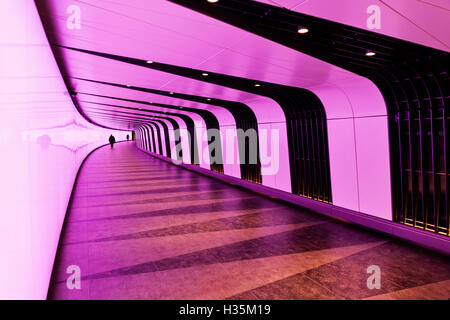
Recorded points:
(413, 79)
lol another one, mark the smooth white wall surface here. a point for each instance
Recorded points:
(358, 143)
(343, 167)
(374, 166)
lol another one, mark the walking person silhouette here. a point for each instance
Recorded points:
(112, 140)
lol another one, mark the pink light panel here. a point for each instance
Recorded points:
(43, 141)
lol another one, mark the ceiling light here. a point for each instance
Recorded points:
(257, 85)
(209, 99)
(212, 1)
(149, 61)
(204, 74)
(370, 53)
(302, 30)
(170, 92)
(128, 85)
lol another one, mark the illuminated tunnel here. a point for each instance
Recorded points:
(263, 149)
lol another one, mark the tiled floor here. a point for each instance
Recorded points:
(140, 228)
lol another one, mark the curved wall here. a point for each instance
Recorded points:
(44, 140)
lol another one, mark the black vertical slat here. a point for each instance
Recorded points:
(292, 134)
(422, 172)
(306, 154)
(433, 172)
(144, 136)
(151, 135)
(446, 164)
(303, 158)
(146, 139)
(309, 148)
(439, 168)
(144, 143)
(310, 137)
(400, 211)
(153, 138)
(411, 170)
(151, 143)
(319, 173)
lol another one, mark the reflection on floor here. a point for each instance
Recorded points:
(140, 228)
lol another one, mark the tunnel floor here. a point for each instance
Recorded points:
(141, 228)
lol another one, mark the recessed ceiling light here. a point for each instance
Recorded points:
(204, 74)
(302, 30)
(149, 61)
(170, 92)
(209, 99)
(212, 1)
(257, 85)
(370, 53)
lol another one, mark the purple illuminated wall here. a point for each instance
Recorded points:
(43, 141)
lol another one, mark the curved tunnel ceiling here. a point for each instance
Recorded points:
(161, 47)
(204, 43)
(403, 19)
